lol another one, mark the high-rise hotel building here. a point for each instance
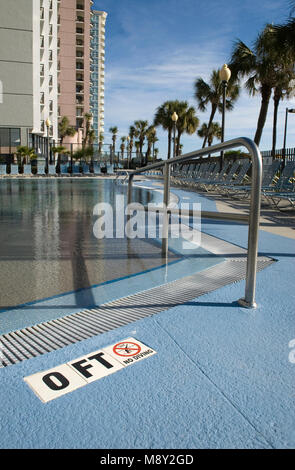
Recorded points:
(28, 73)
(97, 69)
(81, 64)
(74, 60)
(49, 64)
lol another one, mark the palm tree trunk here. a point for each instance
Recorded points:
(277, 98)
(213, 111)
(266, 94)
(178, 142)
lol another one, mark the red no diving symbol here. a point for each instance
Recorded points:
(126, 349)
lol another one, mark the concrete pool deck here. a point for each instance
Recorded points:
(221, 377)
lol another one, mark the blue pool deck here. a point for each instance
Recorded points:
(221, 377)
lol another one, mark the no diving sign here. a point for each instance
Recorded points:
(126, 349)
(75, 374)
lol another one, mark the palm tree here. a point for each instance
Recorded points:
(163, 118)
(89, 139)
(283, 66)
(259, 65)
(214, 131)
(285, 34)
(88, 128)
(140, 132)
(137, 147)
(24, 152)
(100, 143)
(65, 129)
(211, 94)
(131, 134)
(60, 150)
(114, 132)
(122, 146)
(151, 139)
(187, 121)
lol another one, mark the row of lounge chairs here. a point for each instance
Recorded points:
(98, 169)
(278, 184)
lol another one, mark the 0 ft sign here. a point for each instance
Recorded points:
(75, 374)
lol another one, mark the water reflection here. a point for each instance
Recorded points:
(47, 245)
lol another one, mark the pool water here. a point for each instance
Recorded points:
(47, 245)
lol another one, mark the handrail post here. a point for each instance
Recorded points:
(253, 230)
(129, 193)
(166, 200)
(249, 299)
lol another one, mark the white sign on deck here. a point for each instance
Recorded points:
(66, 378)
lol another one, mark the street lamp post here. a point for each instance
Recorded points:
(285, 134)
(174, 118)
(48, 124)
(224, 75)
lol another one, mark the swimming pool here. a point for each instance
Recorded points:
(47, 245)
(58, 279)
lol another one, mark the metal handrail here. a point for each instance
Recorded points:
(255, 201)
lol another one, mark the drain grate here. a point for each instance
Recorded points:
(33, 341)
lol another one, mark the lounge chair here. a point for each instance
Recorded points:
(267, 180)
(239, 178)
(210, 178)
(284, 187)
(226, 179)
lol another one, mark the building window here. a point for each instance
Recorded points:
(9, 141)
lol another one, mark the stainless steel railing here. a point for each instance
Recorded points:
(255, 201)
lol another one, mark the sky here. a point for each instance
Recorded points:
(156, 49)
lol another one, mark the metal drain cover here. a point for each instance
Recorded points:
(36, 340)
